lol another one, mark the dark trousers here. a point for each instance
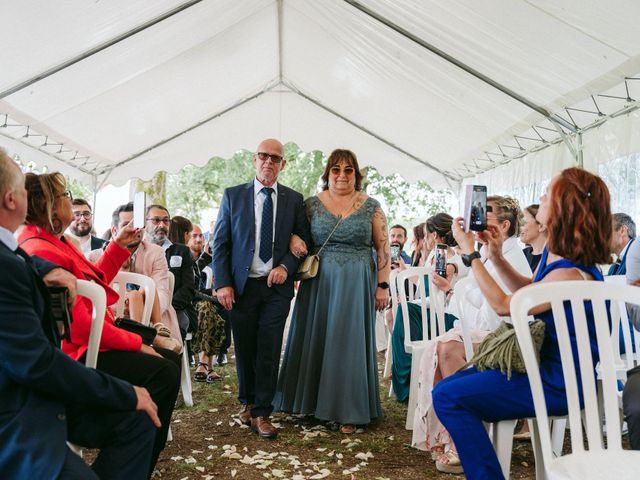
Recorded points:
(257, 321)
(125, 440)
(631, 406)
(160, 376)
(226, 342)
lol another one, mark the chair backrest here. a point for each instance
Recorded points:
(98, 297)
(393, 292)
(463, 286)
(575, 292)
(209, 273)
(620, 321)
(429, 316)
(119, 284)
(172, 284)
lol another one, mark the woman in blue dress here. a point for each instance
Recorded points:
(576, 212)
(329, 368)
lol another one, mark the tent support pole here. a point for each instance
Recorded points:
(280, 40)
(555, 119)
(367, 131)
(94, 185)
(109, 43)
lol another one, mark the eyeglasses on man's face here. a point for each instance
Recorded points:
(86, 215)
(264, 156)
(158, 220)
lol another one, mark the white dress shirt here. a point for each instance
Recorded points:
(258, 267)
(8, 239)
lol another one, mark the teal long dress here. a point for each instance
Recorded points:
(330, 368)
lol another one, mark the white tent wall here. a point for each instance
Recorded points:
(611, 150)
(198, 79)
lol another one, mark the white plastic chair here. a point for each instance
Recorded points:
(119, 284)
(433, 317)
(388, 357)
(185, 380)
(98, 297)
(209, 273)
(599, 461)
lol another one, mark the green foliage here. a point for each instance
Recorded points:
(156, 189)
(80, 190)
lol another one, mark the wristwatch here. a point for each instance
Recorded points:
(384, 285)
(467, 259)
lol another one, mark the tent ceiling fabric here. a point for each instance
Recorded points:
(221, 75)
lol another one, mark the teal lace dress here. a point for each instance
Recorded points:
(329, 368)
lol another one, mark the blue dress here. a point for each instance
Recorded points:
(464, 400)
(330, 367)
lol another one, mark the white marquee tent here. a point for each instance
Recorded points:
(434, 90)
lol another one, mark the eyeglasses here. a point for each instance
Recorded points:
(67, 194)
(85, 215)
(158, 220)
(347, 170)
(264, 156)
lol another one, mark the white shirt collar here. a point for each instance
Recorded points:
(167, 243)
(257, 186)
(8, 239)
(624, 250)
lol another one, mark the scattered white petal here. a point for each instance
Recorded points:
(213, 410)
(189, 460)
(177, 420)
(321, 449)
(390, 438)
(196, 451)
(277, 473)
(364, 456)
(233, 473)
(175, 459)
(200, 469)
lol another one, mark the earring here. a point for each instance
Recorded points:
(56, 223)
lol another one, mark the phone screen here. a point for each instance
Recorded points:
(441, 259)
(475, 208)
(395, 252)
(139, 205)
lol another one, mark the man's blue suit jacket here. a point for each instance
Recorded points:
(234, 237)
(37, 379)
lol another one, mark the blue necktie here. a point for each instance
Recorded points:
(266, 230)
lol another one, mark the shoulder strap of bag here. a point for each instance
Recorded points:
(331, 234)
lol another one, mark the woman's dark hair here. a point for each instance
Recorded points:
(42, 193)
(337, 156)
(508, 209)
(179, 228)
(418, 231)
(579, 219)
(532, 210)
(441, 225)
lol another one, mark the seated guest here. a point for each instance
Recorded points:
(148, 259)
(178, 259)
(624, 234)
(577, 215)
(122, 353)
(438, 231)
(445, 354)
(398, 236)
(533, 235)
(416, 243)
(41, 408)
(210, 330)
(81, 226)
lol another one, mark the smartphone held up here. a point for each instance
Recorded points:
(475, 208)
(441, 259)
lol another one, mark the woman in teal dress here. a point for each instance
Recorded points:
(437, 230)
(329, 368)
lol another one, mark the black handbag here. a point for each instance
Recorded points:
(148, 334)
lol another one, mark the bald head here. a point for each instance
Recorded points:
(11, 176)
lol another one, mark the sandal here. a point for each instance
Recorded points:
(212, 376)
(201, 376)
(162, 329)
(449, 462)
(347, 428)
(437, 452)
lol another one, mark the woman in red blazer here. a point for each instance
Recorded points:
(122, 353)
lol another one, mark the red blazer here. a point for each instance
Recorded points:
(36, 241)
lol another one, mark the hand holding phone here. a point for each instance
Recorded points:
(395, 252)
(441, 259)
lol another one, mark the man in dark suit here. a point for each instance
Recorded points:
(82, 225)
(180, 265)
(47, 398)
(253, 272)
(624, 233)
